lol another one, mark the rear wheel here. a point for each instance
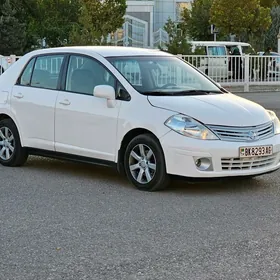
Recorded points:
(145, 164)
(11, 151)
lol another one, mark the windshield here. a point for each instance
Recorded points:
(163, 75)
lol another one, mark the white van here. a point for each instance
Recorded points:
(217, 63)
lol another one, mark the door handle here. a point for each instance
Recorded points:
(65, 102)
(18, 95)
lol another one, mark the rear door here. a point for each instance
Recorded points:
(33, 100)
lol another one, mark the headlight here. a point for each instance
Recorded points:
(276, 122)
(190, 127)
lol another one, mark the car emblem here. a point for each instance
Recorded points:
(253, 135)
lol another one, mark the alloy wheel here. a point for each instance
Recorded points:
(142, 164)
(7, 143)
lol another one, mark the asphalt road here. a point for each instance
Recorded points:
(61, 220)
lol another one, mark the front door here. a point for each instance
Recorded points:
(33, 101)
(84, 124)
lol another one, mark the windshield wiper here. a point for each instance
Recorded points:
(157, 93)
(181, 93)
(196, 92)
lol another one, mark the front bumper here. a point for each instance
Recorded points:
(181, 153)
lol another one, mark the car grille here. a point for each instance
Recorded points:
(247, 163)
(241, 134)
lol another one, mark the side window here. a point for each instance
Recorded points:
(46, 71)
(217, 50)
(221, 51)
(84, 74)
(26, 75)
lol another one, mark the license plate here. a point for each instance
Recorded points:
(258, 151)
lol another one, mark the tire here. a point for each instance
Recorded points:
(144, 160)
(10, 140)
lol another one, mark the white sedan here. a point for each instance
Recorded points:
(146, 112)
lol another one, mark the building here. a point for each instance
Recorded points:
(144, 22)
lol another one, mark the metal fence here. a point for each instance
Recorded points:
(232, 70)
(243, 71)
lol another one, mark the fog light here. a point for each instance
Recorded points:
(203, 164)
(198, 162)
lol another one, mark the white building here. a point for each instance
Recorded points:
(144, 21)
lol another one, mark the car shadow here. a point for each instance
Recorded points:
(177, 185)
(228, 185)
(74, 169)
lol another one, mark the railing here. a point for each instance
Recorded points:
(160, 38)
(243, 71)
(232, 70)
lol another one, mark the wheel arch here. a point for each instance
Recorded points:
(125, 141)
(5, 116)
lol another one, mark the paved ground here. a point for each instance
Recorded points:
(61, 220)
(270, 100)
(253, 89)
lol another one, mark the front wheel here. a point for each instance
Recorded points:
(145, 164)
(11, 151)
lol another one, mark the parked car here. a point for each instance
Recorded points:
(87, 104)
(273, 64)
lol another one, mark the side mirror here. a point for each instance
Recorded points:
(106, 92)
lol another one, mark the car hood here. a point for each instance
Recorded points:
(219, 109)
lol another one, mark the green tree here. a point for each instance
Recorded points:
(52, 20)
(239, 17)
(271, 34)
(12, 31)
(26, 12)
(198, 20)
(23, 11)
(96, 20)
(177, 33)
(269, 3)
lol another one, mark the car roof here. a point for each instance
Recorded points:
(105, 51)
(218, 43)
